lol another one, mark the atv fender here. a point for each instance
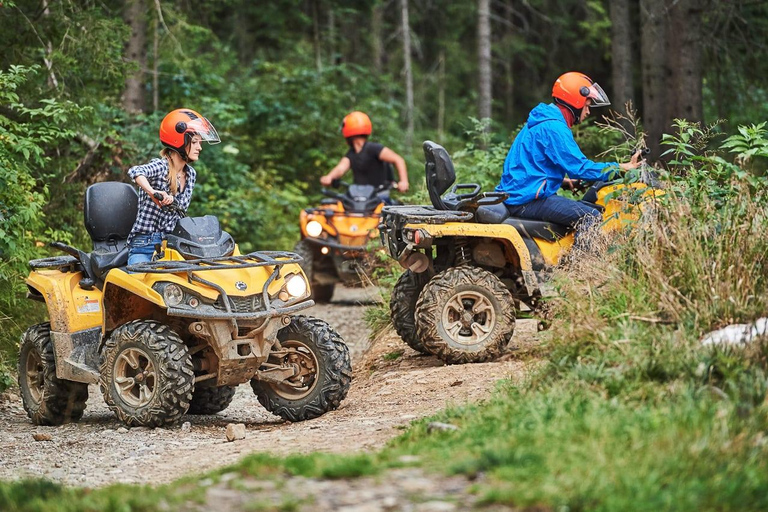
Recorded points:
(128, 298)
(502, 232)
(75, 316)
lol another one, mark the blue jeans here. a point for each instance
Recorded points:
(142, 248)
(561, 210)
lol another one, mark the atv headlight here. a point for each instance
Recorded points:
(295, 285)
(173, 295)
(314, 228)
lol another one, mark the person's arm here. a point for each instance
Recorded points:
(141, 174)
(566, 154)
(387, 155)
(337, 172)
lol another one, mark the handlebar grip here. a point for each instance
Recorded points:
(158, 196)
(643, 152)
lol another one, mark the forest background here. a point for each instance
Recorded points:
(84, 85)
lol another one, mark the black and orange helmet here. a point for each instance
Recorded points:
(356, 123)
(573, 88)
(179, 126)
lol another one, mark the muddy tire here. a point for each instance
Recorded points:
(319, 292)
(465, 315)
(402, 308)
(211, 400)
(147, 376)
(325, 371)
(47, 399)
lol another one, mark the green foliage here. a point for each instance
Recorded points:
(27, 134)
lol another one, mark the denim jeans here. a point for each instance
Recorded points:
(563, 211)
(142, 248)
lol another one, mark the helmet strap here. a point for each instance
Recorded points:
(575, 113)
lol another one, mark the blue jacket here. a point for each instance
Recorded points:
(542, 154)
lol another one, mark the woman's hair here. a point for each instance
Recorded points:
(172, 184)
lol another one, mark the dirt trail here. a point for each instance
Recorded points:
(385, 394)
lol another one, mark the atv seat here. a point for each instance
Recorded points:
(109, 211)
(498, 214)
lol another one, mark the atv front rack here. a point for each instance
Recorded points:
(253, 259)
(250, 260)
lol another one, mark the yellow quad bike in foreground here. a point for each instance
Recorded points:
(175, 335)
(470, 265)
(336, 235)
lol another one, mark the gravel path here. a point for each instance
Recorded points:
(385, 395)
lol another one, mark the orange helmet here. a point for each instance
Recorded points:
(573, 88)
(356, 123)
(178, 127)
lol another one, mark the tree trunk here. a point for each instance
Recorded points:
(155, 64)
(509, 76)
(441, 95)
(684, 54)
(485, 98)
(377, 40)
(654, 22)
(316, 35)
(621, 52)
(332, 36)
(408, 72)
(135, 17)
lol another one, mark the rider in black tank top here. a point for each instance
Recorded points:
(367, 169)
(370, 161)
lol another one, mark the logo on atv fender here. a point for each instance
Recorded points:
(241, 285)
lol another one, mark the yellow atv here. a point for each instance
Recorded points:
(470, 265)
(175, 335)
(336, 235)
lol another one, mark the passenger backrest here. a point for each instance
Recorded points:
(109, 211)
(440, 172)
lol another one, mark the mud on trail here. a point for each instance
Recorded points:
(386, 394)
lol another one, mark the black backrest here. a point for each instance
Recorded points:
(109, 211)
(439, 171)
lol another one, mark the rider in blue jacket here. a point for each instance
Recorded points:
(544, 152)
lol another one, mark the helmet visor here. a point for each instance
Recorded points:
(598, 96)
(204, 128)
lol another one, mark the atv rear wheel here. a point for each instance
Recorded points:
(319, 292)
(323, 371)
(465, 315)
(402, 307)
(47, 399)
(147, 376)
(211, 400)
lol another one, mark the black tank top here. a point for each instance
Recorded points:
(367, 169)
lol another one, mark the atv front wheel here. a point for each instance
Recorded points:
(147, 376)
(211, 400)
(402, 307)
(47, 399)
(465, 315)
(322, 371)
(320, 292)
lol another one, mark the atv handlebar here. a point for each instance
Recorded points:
(173, 207)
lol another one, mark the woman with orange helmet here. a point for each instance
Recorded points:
(182, 132)
(369, 161)
(544, 153)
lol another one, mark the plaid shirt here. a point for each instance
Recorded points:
(150, 218)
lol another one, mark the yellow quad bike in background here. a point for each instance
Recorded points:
(336, 235)
(175, 335)
(469, 264)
